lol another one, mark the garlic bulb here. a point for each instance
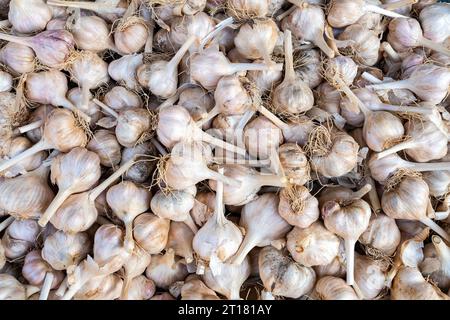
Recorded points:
(123, 70)
(297, 130)
(180, 240)
(298, 207)
(262, 224)
(90, 109)
(12, 289)
(100, 288)
(370, 276)
(281, 276)
(294, 162)
(18, 57)
(19, 238)
(131, 33)
(197, 101)
(166, 269)
(92, 33)
(307, 22)
(141, 288)
(120, 98)
(262, 137)
(363, 43)
(64, 250)
(218, 239)
(409, 284)
(141, 170)
(332, 288)
(349, 221)
(127, 201)
(333, 152)
(433, 20)
(105, 145)
(74, 172)
(199, 25)
(151, 232)
(312, 246)
(248, 8)
(382, 234)
(109, 250)
(203, 208)
(292, 96)
(174, 206)
(230, 279)
(195, 289)
(29, 16)
(335, 269)
(436, 263)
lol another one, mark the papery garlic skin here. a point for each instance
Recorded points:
(166, 269)
(106, 146)
(100, 288)
(35, 270)
(19, 238)
(283, 277)
(382, 234)
(298, 207)
(312, 246)
(29, 16)
(142, 170)
(12, 289)
(151, 232)
(331, 288)
(195, 289)
(120, 98)
(434, 20)
(370, 276)
(141, 288)
(19, 58)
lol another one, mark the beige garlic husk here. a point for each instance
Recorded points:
(19, 58)
(230, 279)
(262, 223)
(257, 40)
(35, 193)
(180, 240)
(100, 288)
(293, 95)
(40, 274)
(251, 181)
(197, 102)
(434, 22)
(120, 98)
(134, 266)
(151, 232)
(29, 16)
(333, 153)
(346, 12)
(335, 269)
(248, 8)
(141, 288)
(198, 25)
(132, 32)
(127, 201)
(203, 208)
(64, 250)
(12, 289)
(307, 22)
(297, 130)
(106, 146)
(195, 289)
(18, 145)
(210, 65)
(436, 263)
(407, 197)
(166, 269)
(332, 288)
(92, 33)
(294, 162)
(75, 96)
(123, 70)
(312, 246)
(161, 77)
(262, 137)
(141, 170)
(298, 207)
(6, 81)
(370, 276)
(174, 206)
(132, 125)
(362, 42)
(218, 239)
(281, 276)
(19, 238)
(382, 234)
(347, 220)
(409, 284)
(74, 172)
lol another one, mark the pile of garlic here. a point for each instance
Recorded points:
(224, 149)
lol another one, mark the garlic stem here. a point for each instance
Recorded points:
(246, 246)
(60, 197)
(272, 180)
(158, 146)
(210, 115)
(217, 29)
(129, 241)
(286, 13)
(219, 143)
(30, 290)
(62, 288)
(220, 177)
(289, 72)
(94, 193)
(442, 250)
(362, 192)
(238, 67)
(350, 260)
(149, 43)
(322, 44)
(46, 286)
(31, 126)
(106, 108)
(377, 9)
(371, 78)
(5, 223)
(429, 166)
(92, 6)
(435, 227)
(25, 41)
(392, 54)
(125, 287)
(349, 93)
(434, 46)
(175, 61)
(399, 84)
(273, 118)
(248, 162)
(398, 4)
(394, 149)
(373, 196)
(40, 146)
(405, 109)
